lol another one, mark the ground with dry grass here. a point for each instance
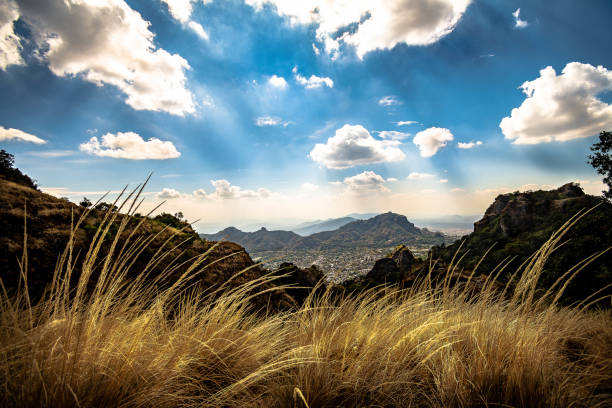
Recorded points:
(127, 343)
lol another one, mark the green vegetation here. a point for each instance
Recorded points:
(601, 160)
(127, 342)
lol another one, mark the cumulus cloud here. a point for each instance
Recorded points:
(457, 190)
(107, 42)
(167, 194)
(431, 140)
(19, 135)
(518, 23)
(393, 135)
(10, 46)
(313, 82)
(443, 181)
(392, 180)
(224, 190)
(468, 145)
(130, 145)
(406, 122)
(372, 24)
(419, 176)
(561, 107)
(277, 82)
(388, 101)
(366, 182)
(353, 145)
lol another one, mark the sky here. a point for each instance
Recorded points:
(278, 111)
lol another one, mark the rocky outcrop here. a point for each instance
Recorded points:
(514, 213)
(303, 280)
(392, 269)
(515, 226)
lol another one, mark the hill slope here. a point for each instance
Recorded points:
(519, 223)
(48, 229)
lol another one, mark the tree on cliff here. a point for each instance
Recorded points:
(601, 160)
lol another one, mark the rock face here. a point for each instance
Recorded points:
(48, 228)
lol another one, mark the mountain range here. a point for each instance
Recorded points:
(384, 230)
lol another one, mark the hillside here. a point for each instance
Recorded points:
(519, 223)
(382, 231)
(48, 229)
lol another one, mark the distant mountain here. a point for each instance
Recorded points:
(384, 230)
(320, 226)
(519, 223)
(449, 224)
(260, 240)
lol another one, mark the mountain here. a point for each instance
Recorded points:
(519, 223)
(320, 226)
(260, 240)
(384, 230)
(449, 224)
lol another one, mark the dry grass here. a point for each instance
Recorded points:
(128, 345)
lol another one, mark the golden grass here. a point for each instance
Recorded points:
(128, 345)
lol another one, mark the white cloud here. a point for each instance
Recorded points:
(366, 182)
(10, 46)
(352, 146)
(378, 24)
(167, 193)
(393, 135)
(107, 42)
(468, 145)
(419, 176)
(406, 122)
(518, 23)
(388, 101)
(270, 121)
(277, 82)
(457, 190)
(431, 140)
(561, 107)
(19, 135)
(180, 9)
(198, 29)
(310, 186)
(225, 191)
(130, 145)
(392, 180)
(313, 82)
(53, 153)
(316, 50)
(443, 181)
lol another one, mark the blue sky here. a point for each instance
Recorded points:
(261, 110)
